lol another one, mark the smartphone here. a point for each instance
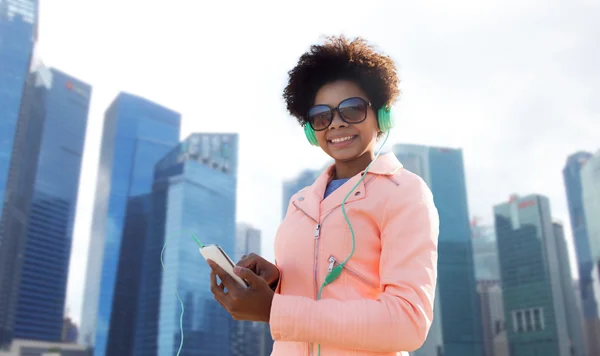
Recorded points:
(216, 254)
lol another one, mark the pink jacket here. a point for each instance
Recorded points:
(382, 304)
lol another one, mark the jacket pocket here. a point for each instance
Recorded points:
(335, 262)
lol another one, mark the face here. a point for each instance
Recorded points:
(342, 141)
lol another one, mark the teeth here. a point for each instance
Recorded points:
(341, 139)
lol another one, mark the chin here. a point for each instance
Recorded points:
(343, 156)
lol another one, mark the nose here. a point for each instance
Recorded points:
(337, 121)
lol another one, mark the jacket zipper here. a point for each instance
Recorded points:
(317, 235)
(316, 262)
(334, 262)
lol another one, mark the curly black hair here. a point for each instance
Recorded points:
(341, 59)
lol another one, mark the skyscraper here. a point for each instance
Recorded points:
(250, 338)
(47, 249)
(588, 264)
(18, 28)
(17, 200)
(194, 193)
(590, 184)
(456, 328)
(489, 288)
(18, 23)
(137, 134)
(485, 253)
(40, 202)
(572, 309)
(532, 281)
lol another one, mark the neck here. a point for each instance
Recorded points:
(348, 169)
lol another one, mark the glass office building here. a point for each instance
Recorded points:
(587, 263)
(194, 193)
(530, 268)
(17, 198)
(456, 328)
(18, 23)
(137, 134)
(570, 294)
(485, 253)
(47, 248)
(590, 184)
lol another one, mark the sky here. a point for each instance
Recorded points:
(512, 83)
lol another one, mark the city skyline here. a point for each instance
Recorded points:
(507, 150)
(526, 173)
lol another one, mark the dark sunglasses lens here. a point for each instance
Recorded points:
(354, 110)
(319, 117)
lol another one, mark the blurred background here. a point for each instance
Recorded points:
(127, 123)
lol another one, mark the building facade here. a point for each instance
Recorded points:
(40, 202)
(533, 296)
(18, 29)
(572, 309)
(18, 33)
(456, 328)
(137, 134)
(587, 262)
(47, 248)
(194, 193)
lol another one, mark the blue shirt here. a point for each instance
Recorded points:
(333, 185)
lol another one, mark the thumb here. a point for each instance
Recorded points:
(247, 274)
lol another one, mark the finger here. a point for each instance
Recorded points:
(247, 261)
(229, 283)
(217, 289)
(248, 275)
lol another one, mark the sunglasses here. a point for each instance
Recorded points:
(351, 111)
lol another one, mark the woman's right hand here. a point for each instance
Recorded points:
(261, 267)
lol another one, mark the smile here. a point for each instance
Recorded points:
(341, 139)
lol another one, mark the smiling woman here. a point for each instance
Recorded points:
(356, 254)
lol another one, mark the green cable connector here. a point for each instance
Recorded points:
(197, 241)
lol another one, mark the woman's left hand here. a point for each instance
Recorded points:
(252, 303)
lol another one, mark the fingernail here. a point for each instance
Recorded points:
(237, 269)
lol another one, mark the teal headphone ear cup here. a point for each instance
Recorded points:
(310, 134)
(384, 119)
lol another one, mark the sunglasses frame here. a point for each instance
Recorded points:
(337, 108)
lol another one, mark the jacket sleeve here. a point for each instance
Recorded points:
(400, 318)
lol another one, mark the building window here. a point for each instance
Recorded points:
(528, 320)
(519, 321)
(542, 322)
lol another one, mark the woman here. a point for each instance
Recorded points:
(356, 255)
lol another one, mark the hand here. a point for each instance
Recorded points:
(261, 267)
(252, 303)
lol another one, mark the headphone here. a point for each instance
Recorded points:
(384, 120)
(386, 123)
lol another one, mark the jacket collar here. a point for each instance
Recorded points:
(310, 200)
